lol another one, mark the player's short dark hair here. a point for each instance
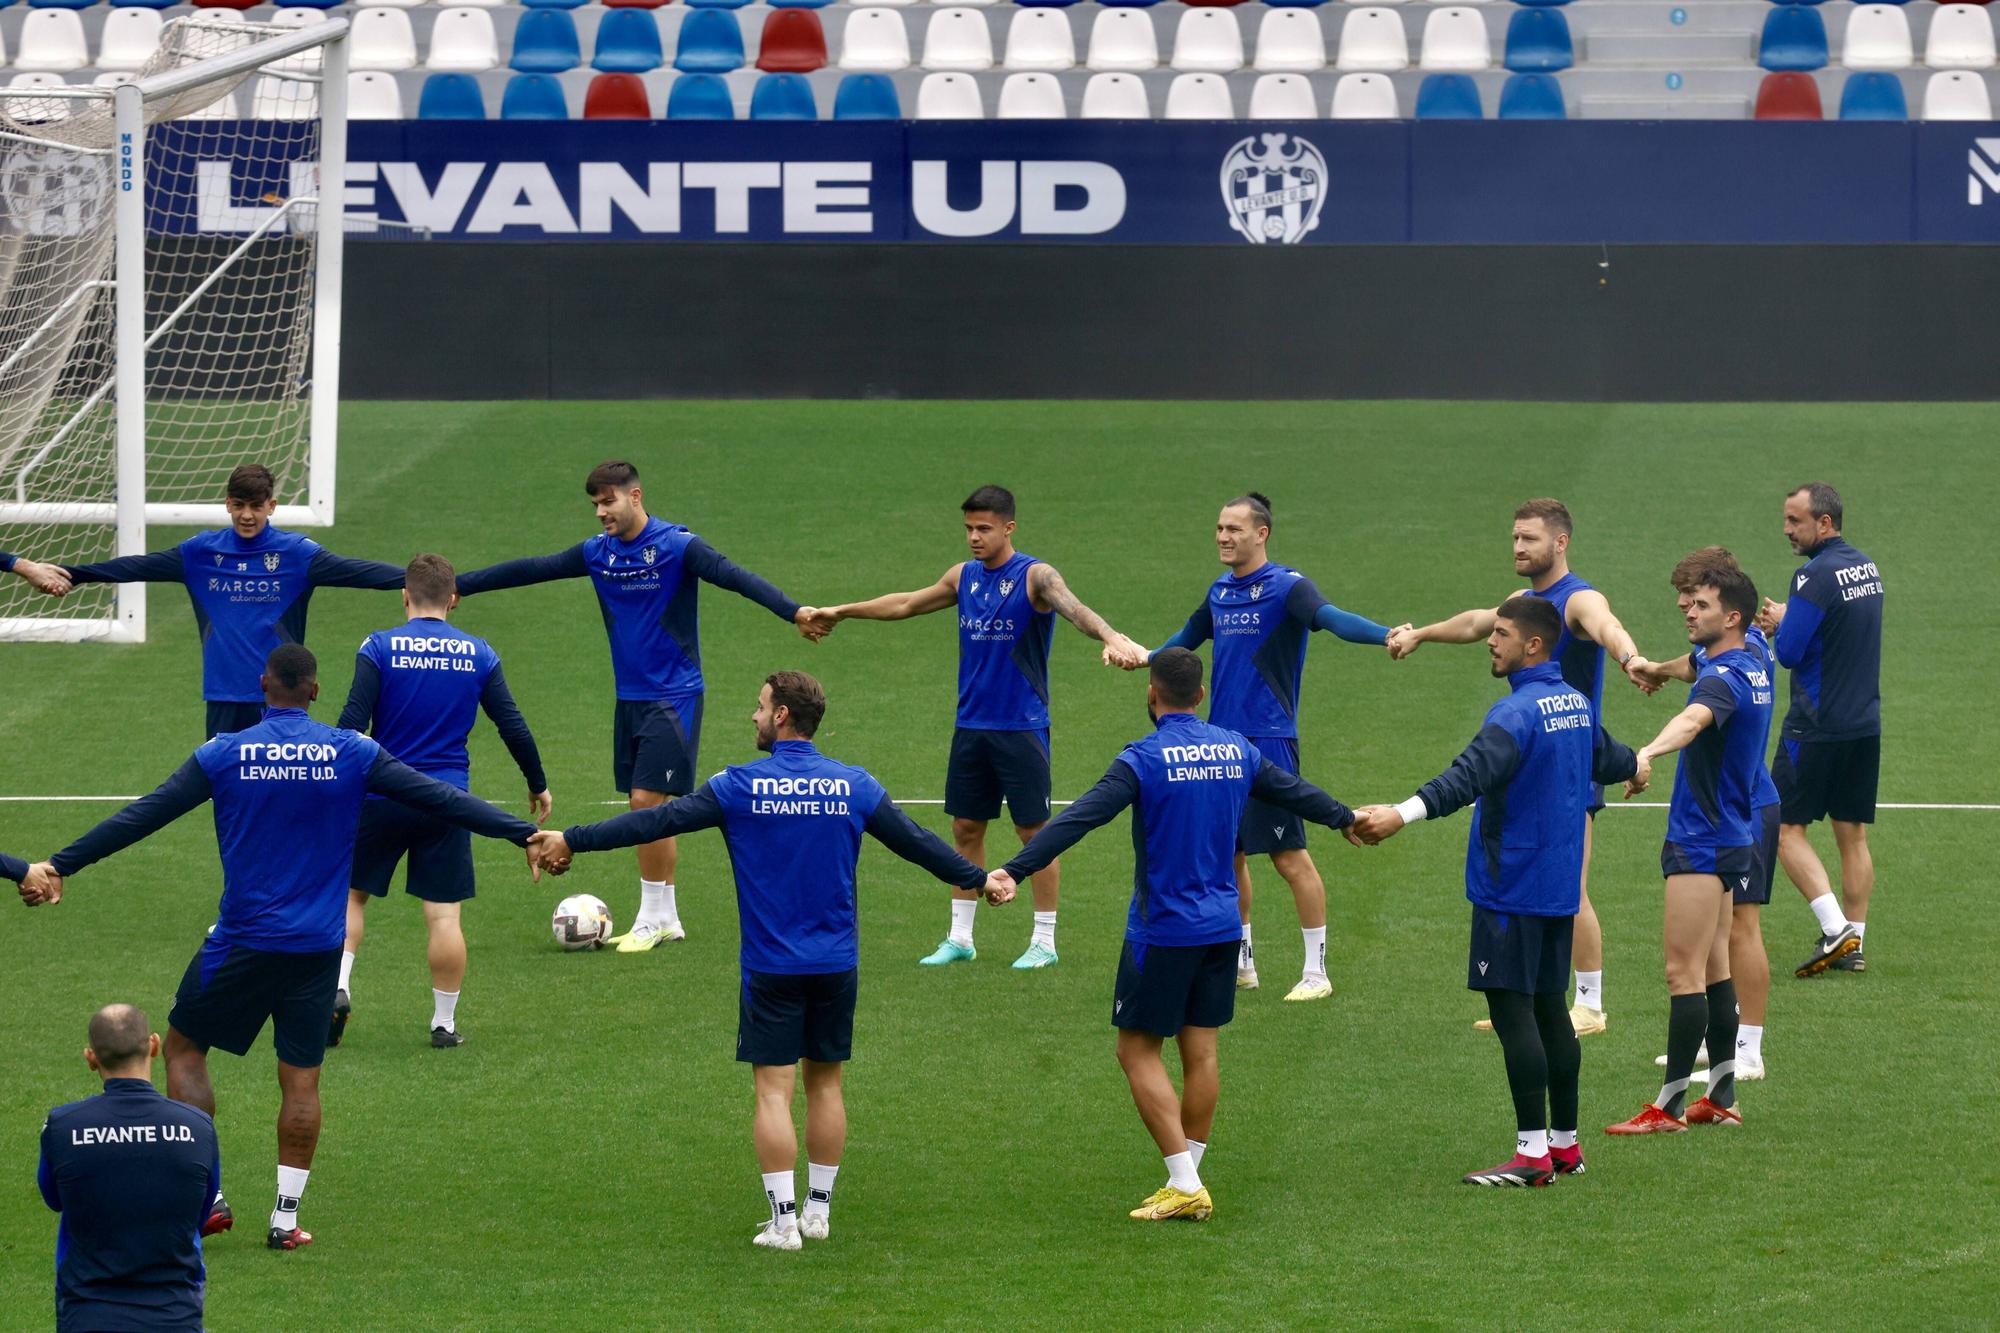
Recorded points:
(429, 579)
(252, 482)
(1693, 569)
(1823, 499)
(1535, 617)
(801, 695)
(1551, 511)
(292, 666)
(119, 1034)
(1735, 591)
(995, 500)
(1176, 674)
(1259, 505)
(614, 474)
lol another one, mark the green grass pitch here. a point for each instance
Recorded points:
(584, 1161)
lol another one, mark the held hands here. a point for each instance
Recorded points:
(1769, 616)
(999, 888)
(50, 579)
(1120, 651)
(1639, 781)
(43, 885)
(1372, 823)
(547, 851)
(1403, 641)
(1646, 674)
(816, 622)
(540, 804)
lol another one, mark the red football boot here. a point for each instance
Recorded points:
(1530, 1172)
(1706, 1112)
(1567, 1161)
(1652, 1120)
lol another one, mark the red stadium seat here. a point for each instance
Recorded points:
(793, 43)
(227, 4)
(1199, 4)
(616, 97)
(1788, 97)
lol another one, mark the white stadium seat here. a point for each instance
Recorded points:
(874, 39)
(302, 62)
(373, 95)
(1040, 39)
(1373, 39)
(1878, 37)
(1115, 97)
(463, 39)
(1199, 97)
(397, 4)
(1957, 95)
(37, 108)
(958, 39)
(898, 3)
(129, 38)
(51, 42)
(1283, 97)
(1032, 96)
(1208, 40)
(1961, 38)
(949, 97)
(284, 99)
(1290, 41)
(1365, 97)
(381, 39)
(1123, 40)
(1455, 38)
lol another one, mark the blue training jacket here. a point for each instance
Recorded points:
(1831, 642)
(422, 685)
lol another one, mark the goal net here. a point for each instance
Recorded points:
(169, 301)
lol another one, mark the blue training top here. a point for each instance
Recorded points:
(423, 684)
(1003, 649)
(1715, 783)
(1754, 640)
(1831, 642)
(1581, 661)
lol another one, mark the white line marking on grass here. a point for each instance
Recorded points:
(923, 800)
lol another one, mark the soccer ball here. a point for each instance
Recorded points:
(581, 921)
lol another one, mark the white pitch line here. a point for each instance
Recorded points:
(923, 800)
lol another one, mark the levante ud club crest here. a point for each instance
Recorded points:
(1273, 186)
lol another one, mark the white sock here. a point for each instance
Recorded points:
(962, 912)
(1860, 927)
(1195, 1149)
(346, 968)
(1315, 950)
(1750, 1042)
(1827, 908)
(1531, 1142)
(291, 1188)
(656, 903)
(1181, 1174)
(1590, 989)
(819, 1189)
(444, 1005)
(1246, 958)
(1045, 931)
(779, 1187)
(1562, 1138)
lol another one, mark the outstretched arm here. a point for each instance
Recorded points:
(328, 570)
(13, 867)
(391, 777)
(711, 566)
(686, 815)
(45, 578)
(903, 605)
(569, 564)
(1307, 605)
(1118, 788)
(498, 701)
(919, 846)
(1199, 629)
(1649, 675)
(153, 567)
(182, 792)
(1465, 627)
(1291, 792)
(1589, 614)
(1048, 592)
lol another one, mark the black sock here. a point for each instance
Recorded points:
(1722, 1024)
(1513, 1017)
(1687, 1023)
(1565, 1057)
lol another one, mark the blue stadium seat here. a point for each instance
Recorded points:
(710, 43)
(534, 97)
(1128, 4)
(628, 40)
(545, 42)
(127, 4)
(800, 4)
(1794, 39)
(1538, 40)
(783, 97)
(451, 97)
(1873, 97)
(61, 4)
(867, 97)
(717, 4)
(700, 97)
(1449, 97)
(554, 4)
(1532, 97)
(289, 4)
(1542, 4)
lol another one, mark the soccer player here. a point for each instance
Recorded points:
(423, 684)
(1542, 531)
(1187, 784)
(1828, 634)
(251, 584)
(1530, 775)
(1711, 833)
(647, 573)
(287, 795)
(793, 824)
(1007, 603)
(1259, 614)
(48, 579)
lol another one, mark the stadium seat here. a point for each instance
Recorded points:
(1032, 97)
(619, 4)
(1373, 39)
(1538, 41)
(616, 95)
(300, 62)
(1788, 95)
(545, 43)
(61, 4)
(1122, 40)
(711, 42)
(1282, 97)
(1115, 97)
(874, 39)
(462, 39)
(957, 39)
(140, 4)
(1128, 4)
(980, 3)
(534, 97)
(628, 42)
(1954, 94)
(373, 95)
(1794, 39)
(1449, 97)
(276, 98)
(1961, 38)
(540, 4)
(793, 43)
(225, 4)
(1365, 97)
(1455, 38)
(1294, 4)
(1199, 97)
(783, 97)
(1291, 41)
(335, 4)
(51, 42)
(700, 97)
(1878, 37)
(36, 109)
(110, 78)
(451, 97)
(1208, 41)
(1542, 4)
(1532, 97)
(800, 4)
(1040, 39)
(128, 39)
(949, 97)
(1045, 4)
(381, 39)
(1873, 97)
(386, 4)
(867, 97)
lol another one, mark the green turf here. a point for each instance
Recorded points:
(584, 1161)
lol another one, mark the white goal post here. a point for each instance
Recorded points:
(170, 271)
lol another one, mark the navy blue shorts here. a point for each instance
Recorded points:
(1732, 865)
(1828, 779)
(1163, 988)
(783, 1018)
(1763, 860)
(1529, 954)
(1266, 828)
(225, 716)
(440, 853)
(987, 765)
(229, 991)
(654, 744)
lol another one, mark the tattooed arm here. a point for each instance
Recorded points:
(1048, 592)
